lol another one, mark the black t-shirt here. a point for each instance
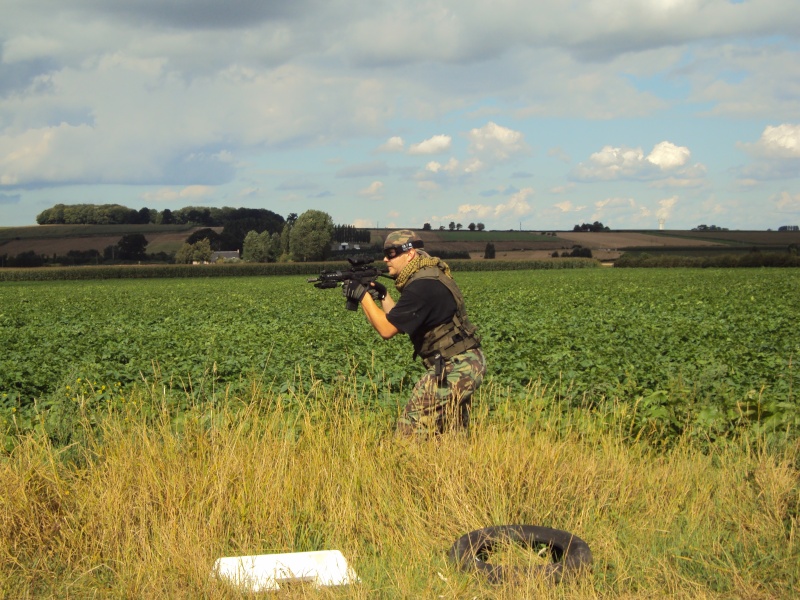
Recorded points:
(423, 305)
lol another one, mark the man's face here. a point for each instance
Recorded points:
(397, 263)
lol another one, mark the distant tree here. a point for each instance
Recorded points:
(471, 226)
(311, 236)
(452, 225)
(166, 217)
(237, 222)
(254, 247)
(206, 233)
(200, 251)
(131, 246)
(481, 226)
(459, 226)
(441, 227)
(26, 259)
(596, 226)
(426, 227)
(579, 251)
(143, 216)
(286, 234)
(184, 254)
(274, 250)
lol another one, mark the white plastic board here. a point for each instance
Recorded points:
(266, 572)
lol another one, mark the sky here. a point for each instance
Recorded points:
(518, 114)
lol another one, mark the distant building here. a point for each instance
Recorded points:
(224, 255)
(789, 228)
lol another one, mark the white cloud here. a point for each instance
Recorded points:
(435, 145)
(393, 144)
(667, 155)
(665, 207)
(373, 191)
(781, 141)
(666, 162)
(516, 206)
(787, 203)
(497, 143)
(776, 153)
(452, 172)
(562, 189)
(29, 47)
(567, 207)
(450, 166)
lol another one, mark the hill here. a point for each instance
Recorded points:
(509, 244)
(60, 239)
(606, 245)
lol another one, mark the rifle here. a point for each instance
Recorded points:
(361, 269)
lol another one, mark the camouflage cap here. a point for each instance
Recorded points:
(404, 239)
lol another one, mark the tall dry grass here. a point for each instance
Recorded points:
(142, 504)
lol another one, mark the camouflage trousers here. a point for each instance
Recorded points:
(441, 404)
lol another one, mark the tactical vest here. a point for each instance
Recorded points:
(453, 337)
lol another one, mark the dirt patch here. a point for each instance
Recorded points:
(602, 255)
(611, 240)
(156, 242)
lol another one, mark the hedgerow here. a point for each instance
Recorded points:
(749, 260)
(243, 269)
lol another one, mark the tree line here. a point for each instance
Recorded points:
(304, 238)
(259, 234)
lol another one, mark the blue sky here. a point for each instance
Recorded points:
(511, 113)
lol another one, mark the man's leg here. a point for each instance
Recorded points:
(434, 406)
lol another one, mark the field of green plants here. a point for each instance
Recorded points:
(699, 351)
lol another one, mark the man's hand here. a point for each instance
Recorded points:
(354, 290)
(377, 290)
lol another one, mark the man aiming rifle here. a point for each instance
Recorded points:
(431, 311)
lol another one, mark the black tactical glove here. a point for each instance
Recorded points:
(354, 290)
(377, 291)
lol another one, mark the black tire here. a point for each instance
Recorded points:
(570, 553)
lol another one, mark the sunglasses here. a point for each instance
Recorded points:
(395, 251)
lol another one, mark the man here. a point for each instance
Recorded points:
(431, 311)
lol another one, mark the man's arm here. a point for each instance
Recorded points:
(377, 315)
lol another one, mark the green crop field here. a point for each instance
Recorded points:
(685, 349)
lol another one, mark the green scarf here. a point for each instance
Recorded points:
(417, 263)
